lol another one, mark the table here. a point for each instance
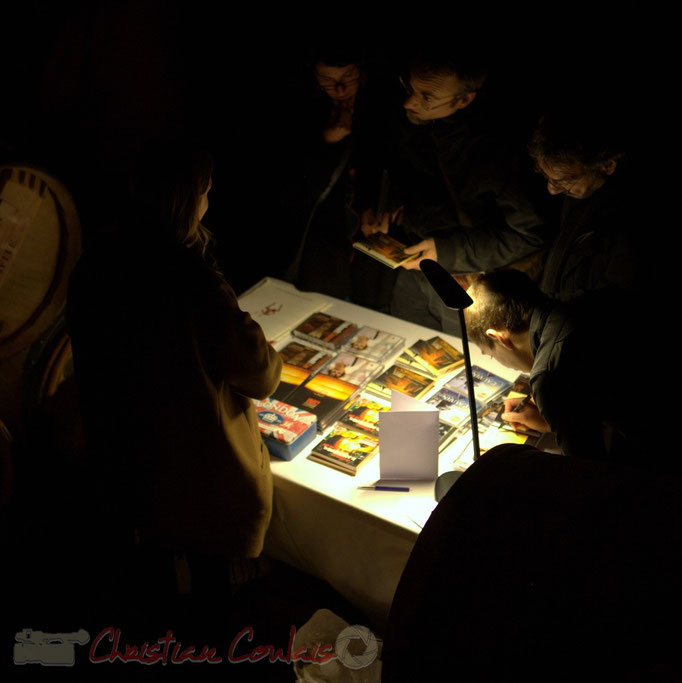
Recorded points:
(358, 541)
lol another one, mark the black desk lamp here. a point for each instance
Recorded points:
(454, 297)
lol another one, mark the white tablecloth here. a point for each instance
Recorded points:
(358, 541)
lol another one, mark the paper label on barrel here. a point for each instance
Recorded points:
(18, 207)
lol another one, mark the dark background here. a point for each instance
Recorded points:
(86, 83)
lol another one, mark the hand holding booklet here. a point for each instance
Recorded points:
(384, 248)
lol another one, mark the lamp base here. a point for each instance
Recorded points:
(444, 483)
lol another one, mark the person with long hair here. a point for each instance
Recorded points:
(166, 365)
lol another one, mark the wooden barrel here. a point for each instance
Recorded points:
(40, 242)
(6, 470)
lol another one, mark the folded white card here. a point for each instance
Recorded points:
(408, 439)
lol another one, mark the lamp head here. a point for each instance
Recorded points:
(447, 288)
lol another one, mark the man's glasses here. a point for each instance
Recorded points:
(560, 184)
(427, 102)
(329, 84)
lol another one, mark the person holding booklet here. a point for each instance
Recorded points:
(578, 364)
(317, 188)
(461, 190)
(166, 365)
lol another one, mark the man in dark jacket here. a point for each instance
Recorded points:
(581, 155)
(460, 193)
(324, 143)
(578, 365)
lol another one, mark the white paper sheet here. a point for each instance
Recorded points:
(408, 439)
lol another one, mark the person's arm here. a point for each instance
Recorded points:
(503, 216)
(233, 344)
(373, 174)
(516, 232)
(571, 410)
(487, 244)
(493, 220)
(606, 253)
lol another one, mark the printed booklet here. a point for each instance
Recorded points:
(299, 362)
(363, 414)
(374, 344)
(487, 385)
(401, 379)
(325, 330)
(328, 393)
(434, 357)
(345, 449)
(384, 248)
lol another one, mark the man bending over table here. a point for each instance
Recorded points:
(580, 362)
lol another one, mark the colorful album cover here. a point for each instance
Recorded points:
(333, 387)
(401, 379)
(408, 359)
(487, 385)
(282, 422)
(290, 378)
(384, 248)
(453, 405)
(325, 329)
(521, 385)
(351, 368)
(492, 417)
(436, 355)
(363, 414)
(446, 435)
(345, 448)
(325, 396)
(299, 363)
(376, 345)
(305, 357)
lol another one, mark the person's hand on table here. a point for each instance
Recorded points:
(427, 248)
(528, 417)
